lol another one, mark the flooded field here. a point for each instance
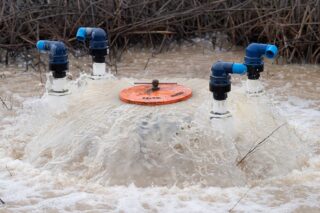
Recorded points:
(90, 152)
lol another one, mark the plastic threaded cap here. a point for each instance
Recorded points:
(271, 51)
(239, 68)
(81, 34)
(41, 44)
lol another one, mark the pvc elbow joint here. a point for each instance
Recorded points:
(98, 37)
(58, 56)
(98, 42)
(221, 69)
(57, 50)
(82, 33)
(220, 83)
(238, 68)
(256, 50)
(271, 51)
(253, 59)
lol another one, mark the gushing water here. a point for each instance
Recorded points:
(93, 136)
(88, 151)
(254, 87)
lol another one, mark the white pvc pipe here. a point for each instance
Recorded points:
(99, 69)
(59, 84)
(219, 107)
(254, 86)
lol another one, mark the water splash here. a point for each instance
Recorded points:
(93, 136)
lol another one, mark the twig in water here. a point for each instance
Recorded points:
(4, 103)
(259, 144)
(243, 196)
(8, 170)
(145, 66)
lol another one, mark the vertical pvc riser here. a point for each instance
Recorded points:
(219, 107)
(98, 69)
(95, 34)
(253, 59)
(58, 60)
(220, 85)
(59, 84)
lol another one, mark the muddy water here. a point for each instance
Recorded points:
(90, 152)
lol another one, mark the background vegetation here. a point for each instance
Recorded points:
(293, 25)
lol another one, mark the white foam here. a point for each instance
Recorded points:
(72, 151)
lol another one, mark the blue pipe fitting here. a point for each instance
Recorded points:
(220, 83)
(82, 33)
(98, 42)
(254, 58)
(58, 56)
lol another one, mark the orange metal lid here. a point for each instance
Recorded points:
(166, 93)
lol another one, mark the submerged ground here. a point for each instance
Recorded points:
(90, 152)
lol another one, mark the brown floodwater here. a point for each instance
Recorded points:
(90, 152)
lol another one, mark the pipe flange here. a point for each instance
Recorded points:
(253, 71)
